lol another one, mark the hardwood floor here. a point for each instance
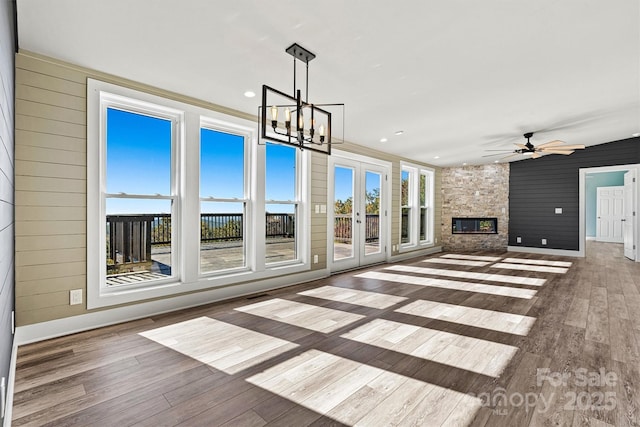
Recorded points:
(482, 339)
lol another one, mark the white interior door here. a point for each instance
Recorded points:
(358, 216)
(628, 220)
(610, 214)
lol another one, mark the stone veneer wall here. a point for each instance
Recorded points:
(475, 191)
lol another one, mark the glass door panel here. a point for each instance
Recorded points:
(372, 231)
(343, 243)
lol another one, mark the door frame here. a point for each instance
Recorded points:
(385, 205)
(582, 203)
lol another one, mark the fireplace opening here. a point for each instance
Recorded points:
(474, 225)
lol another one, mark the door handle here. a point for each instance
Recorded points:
(623, 219)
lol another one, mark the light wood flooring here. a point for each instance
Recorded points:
(480, 339)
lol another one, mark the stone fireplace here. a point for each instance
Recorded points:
(475, 208)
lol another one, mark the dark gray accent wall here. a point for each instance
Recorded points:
(538, 186)
(7, 84)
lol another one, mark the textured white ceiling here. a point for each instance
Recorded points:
(458, 77)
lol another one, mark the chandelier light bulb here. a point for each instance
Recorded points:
(274, 113)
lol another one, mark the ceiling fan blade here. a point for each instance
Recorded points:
(522, 146)
(551, 151)
(567, 147)
(536, 155)
(551, 144)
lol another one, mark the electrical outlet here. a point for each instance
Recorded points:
(544, 241)
(315, 259)
(75, 296)
(558, 210)
(518, 239)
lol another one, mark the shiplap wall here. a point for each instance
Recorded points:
(7, 51)
(538, 186)
(51, 185)
(319, 166)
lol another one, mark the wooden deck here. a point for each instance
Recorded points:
(483, 339)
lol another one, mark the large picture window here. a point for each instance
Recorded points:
(416, 210)
(223, 200)
(140, 195)
(281, 203)
(181, 199)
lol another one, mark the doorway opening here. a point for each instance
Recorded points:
(608, 208)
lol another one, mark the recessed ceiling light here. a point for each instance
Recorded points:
(436, 157)
(464, 164)
(497, 161)
(249, 94)
(635, 134)
(383, 139)
(400, 132)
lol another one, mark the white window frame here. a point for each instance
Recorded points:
(297, 209)
(186, 224)
(247, 224)
(415, 172)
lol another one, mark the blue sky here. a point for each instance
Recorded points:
(139, 162)
(344, 182)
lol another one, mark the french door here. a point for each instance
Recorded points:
(357, 213)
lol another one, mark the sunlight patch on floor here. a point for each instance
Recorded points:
(502, 278)
(463, 262)
(462, 352)
(526, 267)
(307, 316)
(477, 317)
(450, 284)
(473, 257)
(223, 346)
(357, 394)
(539, 262)
(354, 296)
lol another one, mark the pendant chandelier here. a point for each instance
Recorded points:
(288, 119)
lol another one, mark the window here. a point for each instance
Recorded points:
(281, 204)
(181, 199)
(416, 199)
(425, 200)
(140, 195)
(405, 202)
(223, 200)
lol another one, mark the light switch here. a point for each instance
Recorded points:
(317, 208)
(323, 209)
(558, 210)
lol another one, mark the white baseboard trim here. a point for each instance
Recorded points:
(70, 325)
(544, 251)
(413, 254)
(8, 408)
(590, 238)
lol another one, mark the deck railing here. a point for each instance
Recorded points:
(131, 237)
(343, 233)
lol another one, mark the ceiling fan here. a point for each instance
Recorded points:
(551, 147)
